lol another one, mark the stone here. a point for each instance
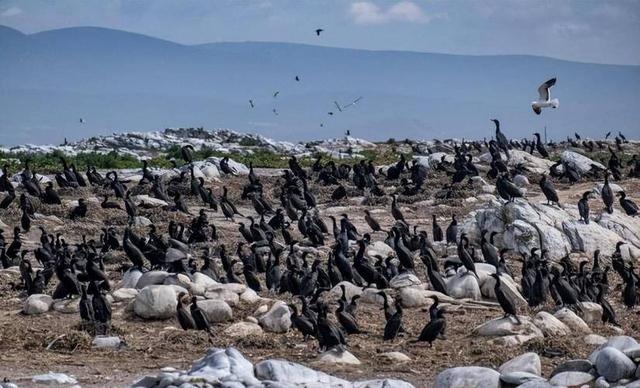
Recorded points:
(573, 366)
(151, 277)
(574, 322)
(620, 342)
(412, 297)
(181, 280)
(508, 286)
(103, 341)
(232, 287)
(507, 326)
(370, 295)
(349, 289)
(130, 278)
(54, 378)
(243, 329)
(228, 296)
(382, 383)
(601, 382)
(633, 353)
(405, 279)
(594, 339)
(613, 365)
(203, 280)
(336, 356)
(463, 285)
(527, 362)
(277, 319)
(151, 201)
(156, 302)
(591, 312)
(467, 377)
(296, 375)
(222, 365)
(140, 221)
(37, 304)
(124, 294)
(572, 379)
(395, 357)
(521, 180)
(380, 248)
(536, 384)
(550, 325)
(250, 296)
(67, 306)
(217, 311)
(579, 162)
(519, 378)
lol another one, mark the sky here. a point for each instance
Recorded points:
(581, 30)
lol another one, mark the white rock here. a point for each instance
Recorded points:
(52, 378)
(467, 377)
(572, 379)
(124, 294)
(395, 357)
(140, 221)
(151, 277)
(380, 248)
(67, 306)
(229, 297)
(579, 162)
(570, 319)
(250, 296)
(222, 365)
(152, 201)
(243, 329)
(591, 312)
(412, 297)
(277, 319)
(509, 332)
(350, 290)
(550, 325)
(130, 278)
(156, 302)
(216, 310)
(335, 356)
(614, 365)
(232, 287)
(405, 279)
(508, 286)
(203, 280)
(527, 362)
(102, 341)
(594, 339)
(286, 372)
(463, 285)
(37, 304)
(382, 383)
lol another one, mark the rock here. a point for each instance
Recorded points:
(67, 306)
(261, 310)
(156, 302)
(601, 382)
(103, 341)
(573, 366)
(223, 294)
(222, 365)
(349, 288)
(203, 280)
(243, 329)
(594, 339)
(463, 285)
(508, 286)
(140, 221)
(614, 365)
(519, 378)
(152, 201)
(395, 357)
(380, 248)
(412, 297)
(507, 326)
(181, 280)
(550, 325)
(232, 287)
(335, 356)
(277, 319)
(250, 296)
(570, 319)
(579, 162)
(37, 304)
(130, 278)
(216, 310)
(151, 277)
(527, 362)
(124, 294)
(620, 342)
(467, 377)
(536, 384)
(591, 312)
(370, 295)
(521, 180)
(633, 353)
(53, 378)
(296, 375)
(382, 383)
(405, 279)
(572, 379)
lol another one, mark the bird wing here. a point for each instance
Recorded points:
(543, 90)
(537, 109)
(338, 106)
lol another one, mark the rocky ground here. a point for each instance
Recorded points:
(53, 339)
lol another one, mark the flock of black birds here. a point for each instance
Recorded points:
(268, 239)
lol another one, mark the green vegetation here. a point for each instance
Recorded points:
(50, 162)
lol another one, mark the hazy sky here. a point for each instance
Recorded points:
(583, 30)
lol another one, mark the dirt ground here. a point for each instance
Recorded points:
(32, 345)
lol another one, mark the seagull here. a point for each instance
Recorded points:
(545, 101)
(81, 120)
(251, 103)
(276, 94)
(318, 31)
(298, 78)
(352, 103)
(338, 106)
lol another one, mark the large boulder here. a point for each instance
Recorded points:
(223, 365)
(130, 278)
(550, 325)
(463, 285)
(467, 377)
(336, 356)
(243, 329)
(572, 379)
(508, 331)
(286, 372)
(37, 304)
(156, 302)
(216, 310)
(614, 365)
(573, 321)
(579, 162)
(277, 319)
(151, 277)
(527, 362)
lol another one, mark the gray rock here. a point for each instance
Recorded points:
(151, 277)
(130, 278)
(53, 378)
(570, 319)
(277, 319)
(507, 326)
(633, 353)
(406, 279)
(382, 383)
(37, 304)
(103, 341)
(572, 379)
(579, 162)
(573, 366)
(536, 384)
(620, 342)
(519, 378)
(463, 285)
(156, 302)
(216, 310)
(243, 329)
(67, 306)
(395, 357)
(141, 221)
(467, 377)
(282, 371)
(601, 382)
(594, 339)
(590, 312)
(335, 356)
(550, 325)
(203, 280)
(124, 294)
(527, 362)
(613, 365)
(222, 365)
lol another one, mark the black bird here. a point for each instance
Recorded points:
(540, 147)
(85, 305)
(50, 196)
(501, 139)
(184, 316)
(452, 230)
(628, 205)
(608, 313)
(395, 209)
(318, 31)
(372, 222)
(437, 231)
(187, 153)
(105, 204)
(302, 323)
(433, 329)
(506, 302)
(548, 190)
(607, 194)
(339, 193)
(394, 323)
(465, 256)
(583, 207)
(346, 320)
(199, 317)
(79, 211)
(629, 293)
(101, 309)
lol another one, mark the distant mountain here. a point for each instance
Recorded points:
(119, 81)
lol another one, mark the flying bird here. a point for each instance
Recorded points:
(318, 31)
(276, 94)
(298, 78)
(338, 106)
(81, 120)
(352, 102)
(275, 112)
(251, 103)
(544, 99)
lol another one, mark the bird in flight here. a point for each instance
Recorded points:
(544, 99)
(338, 106)
(318, 31)
(251, 103)
(275, 112)
(352, 102)
(81, 120)
(297, 78)
(276, 94)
